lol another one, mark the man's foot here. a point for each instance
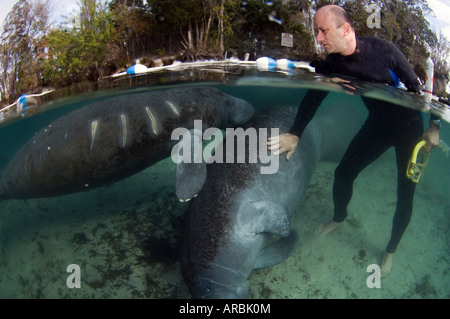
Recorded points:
(328, 228)
(386, 264)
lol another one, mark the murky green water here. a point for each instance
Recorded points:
(125, 237)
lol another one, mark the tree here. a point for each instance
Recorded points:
(203, 25)
(133, 24)
(440, 56)
(21, 47)
(297, 19)
(180, 16)
(84, 51)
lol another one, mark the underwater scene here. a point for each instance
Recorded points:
(125, 237)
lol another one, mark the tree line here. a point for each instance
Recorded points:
(106, 36)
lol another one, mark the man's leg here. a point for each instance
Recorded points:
(405, 198)
(365, 147)
(403, 211)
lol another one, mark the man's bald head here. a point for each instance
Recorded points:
(339, 14)
(334, 30)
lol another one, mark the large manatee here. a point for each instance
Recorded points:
(240, 219)
(109, 140)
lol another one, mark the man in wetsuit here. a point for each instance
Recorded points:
(368, 59)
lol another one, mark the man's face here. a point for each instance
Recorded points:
(328, 34)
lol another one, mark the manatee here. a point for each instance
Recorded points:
(240, 219)
(112, 139)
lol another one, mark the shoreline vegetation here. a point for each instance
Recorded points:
(107, 37)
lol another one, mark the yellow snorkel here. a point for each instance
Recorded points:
(417, 162)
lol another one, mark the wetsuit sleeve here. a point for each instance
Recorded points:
(324, 67)
(306, 110)
(403, 69)
(406, 73)
(434, 117)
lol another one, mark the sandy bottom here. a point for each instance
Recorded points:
(125, 240)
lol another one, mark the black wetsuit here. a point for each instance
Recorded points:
(375, 60)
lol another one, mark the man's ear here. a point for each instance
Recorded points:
(347, 28)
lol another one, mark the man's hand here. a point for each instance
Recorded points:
(431, 136)
(283, 143)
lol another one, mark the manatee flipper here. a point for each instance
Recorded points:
(191, 170)
(271, 218)
(238, 111)
(277, 252)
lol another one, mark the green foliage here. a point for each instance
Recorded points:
(78, 53)
(101, 38)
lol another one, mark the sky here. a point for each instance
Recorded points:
(58, 8)
(439, 21)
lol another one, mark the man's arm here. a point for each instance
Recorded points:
(407, 75)
(288, 142)
(431, 135)
(306, 111)
(401, 67)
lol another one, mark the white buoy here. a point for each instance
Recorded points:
(429, 67)
(137, 69)
(285, 64)
(266, 64)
